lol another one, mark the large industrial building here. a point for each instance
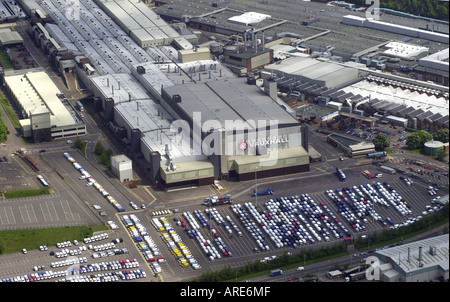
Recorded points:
(45, 116)
(307, 70)
(342, 47)
(179, 107)
(230, 113)
(420, 261)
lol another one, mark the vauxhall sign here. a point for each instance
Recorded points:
(265, 143)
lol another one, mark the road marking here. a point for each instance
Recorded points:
(23, 167)
(323, 171)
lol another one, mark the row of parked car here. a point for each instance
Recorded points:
(68, 262)
(394, 198)
(343, 208)
(215, 216)
(244, 216)
(206, 245)
(302, 219)
(92, 182)
(66, 244)
(161, 212)
(102, 247)
(110, 253)
(95, 238)
(174, 243)
(66, 252)
(143, 240)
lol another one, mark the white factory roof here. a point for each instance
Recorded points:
(397, 95)
(120, 87)
(249, 18)
(154, 76)
(308, 69)
(36, 90)
(399, 254)
(138, 19)
(230, 100)
(142, 112)
(403, 50)
(96, 36)
(62, 39)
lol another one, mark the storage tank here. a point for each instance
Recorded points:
(432, 147)
(215, 48)
(230, 48)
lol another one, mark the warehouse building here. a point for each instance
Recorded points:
(9, 38)
(240, 113)
(144, 112)
(138, 21)
(395, 28)
(313, 71)
(420, 261)
(350, 146)
(245, 60)
(44, 116)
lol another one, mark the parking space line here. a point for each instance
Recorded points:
(52, 210)
(31, 213)
(47, 211)
(66, 209)
(5, 218)
(22, 209)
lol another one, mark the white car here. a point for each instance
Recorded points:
(69, 141)
(24, 251)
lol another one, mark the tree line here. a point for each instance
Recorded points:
(426, 8)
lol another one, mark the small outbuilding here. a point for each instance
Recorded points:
(122, 167)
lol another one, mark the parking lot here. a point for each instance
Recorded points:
(181, 245)
(233, 235)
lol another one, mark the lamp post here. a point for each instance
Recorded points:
(256, 187)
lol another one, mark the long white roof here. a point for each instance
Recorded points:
(36, 91)
(397, 95)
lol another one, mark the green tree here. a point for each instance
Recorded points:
(98, 150)
(441, 154)
(413, 141)
(78, 143)
(441, 135)
(424, 137)
(381, 142)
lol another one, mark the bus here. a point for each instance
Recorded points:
(42, 180)
(387, 169)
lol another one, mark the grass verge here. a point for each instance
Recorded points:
(27, 193)
(6, 63)
(15, 241)
(9, 112)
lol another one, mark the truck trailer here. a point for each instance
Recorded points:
(276, 272)
(377, 154)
